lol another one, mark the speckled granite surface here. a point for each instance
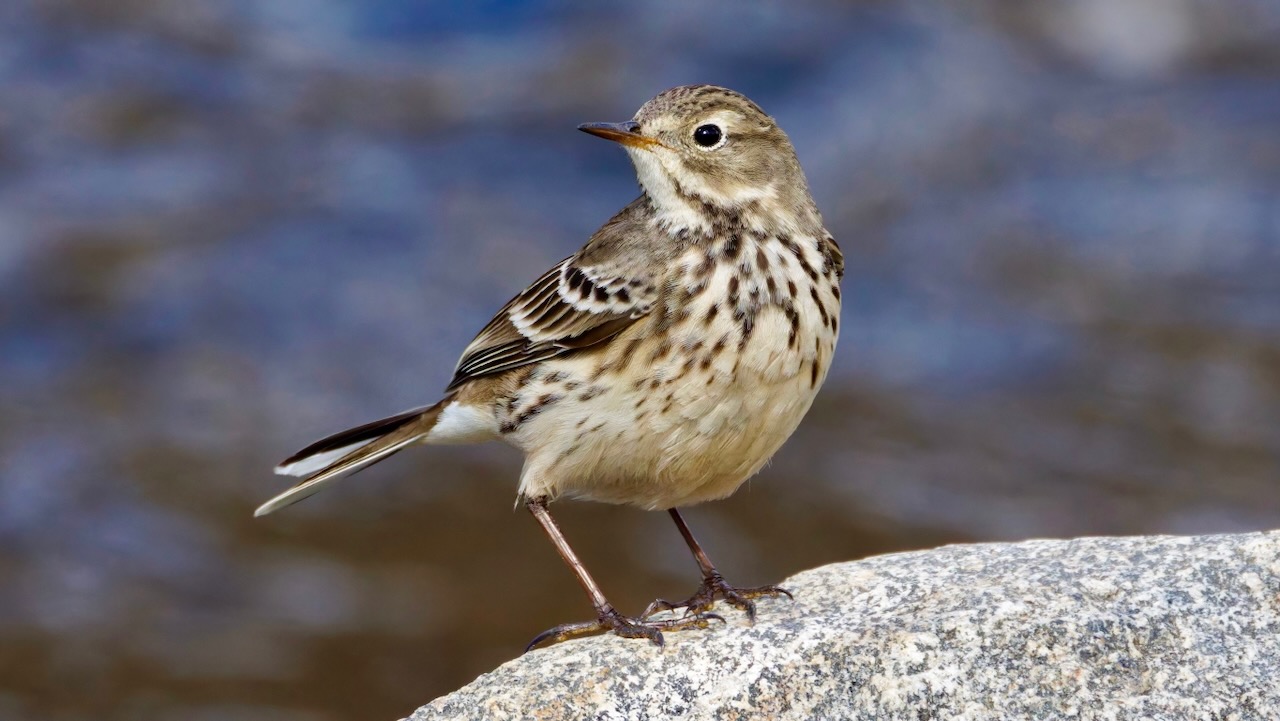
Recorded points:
(1115, 628)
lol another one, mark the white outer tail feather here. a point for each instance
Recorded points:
(447, 422)
(318, 462)
(317, 484)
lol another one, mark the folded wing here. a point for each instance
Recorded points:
(574, 305)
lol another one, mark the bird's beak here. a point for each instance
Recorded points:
(627, 133)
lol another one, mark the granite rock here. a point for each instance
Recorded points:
(1106, 628)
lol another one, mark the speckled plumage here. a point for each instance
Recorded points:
(665, 362)
(691, 399)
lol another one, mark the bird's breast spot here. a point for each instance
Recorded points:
(768, 353)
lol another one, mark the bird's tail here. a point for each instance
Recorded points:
(341, 454)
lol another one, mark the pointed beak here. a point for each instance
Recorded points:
(627, 133)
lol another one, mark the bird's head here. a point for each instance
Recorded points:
(702, 145)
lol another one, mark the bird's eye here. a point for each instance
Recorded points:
(708, 136)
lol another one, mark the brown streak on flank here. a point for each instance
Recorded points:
(747, 318)
(733, 286)
(688, 364)
(822, 309)
(732, 246)
(599, 372)
(684, 369)
(668, 316)
(581, 422)
(791, 288)
(794, 318)
(711, 314)
(627, 354)
(663, 349)
(538, 406)
(707, 265)
(762, 259)
(798, 253)
(772, 285)
(835, 291)
(556, 377)
(808, 269)
(813, 373)
(716, 350)
(591, 392)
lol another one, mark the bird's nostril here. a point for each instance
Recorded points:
(631, 126)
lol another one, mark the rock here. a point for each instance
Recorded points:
(1114, 628)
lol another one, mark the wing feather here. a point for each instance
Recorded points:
(572, 306)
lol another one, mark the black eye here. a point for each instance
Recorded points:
(707, 135)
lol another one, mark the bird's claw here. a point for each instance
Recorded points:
(616, 623)
(712, 588)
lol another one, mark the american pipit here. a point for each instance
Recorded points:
(663, 363)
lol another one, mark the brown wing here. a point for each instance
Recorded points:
(574, 305)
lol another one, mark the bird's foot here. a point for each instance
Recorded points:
(612, 621)
(714, 587)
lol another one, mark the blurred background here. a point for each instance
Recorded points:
(229, 227)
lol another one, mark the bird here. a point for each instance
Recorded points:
(660, 366)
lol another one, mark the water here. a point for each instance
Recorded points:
(227, 228)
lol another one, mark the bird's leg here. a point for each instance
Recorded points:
(713, 584)
(607, 617)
